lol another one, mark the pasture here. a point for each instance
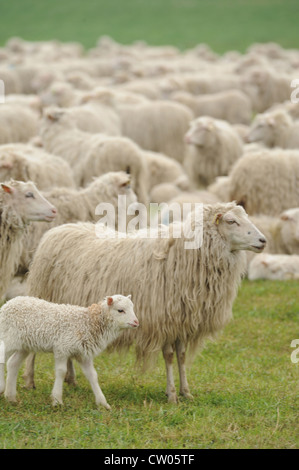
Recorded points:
(244, 385)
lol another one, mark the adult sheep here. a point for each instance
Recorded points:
(183, 296)
(266, 181)
(92, 155)
(20, 203)
(213, 147)
(24, 162)
(17, 123)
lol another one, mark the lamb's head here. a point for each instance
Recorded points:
(121, 309)
(289, 228)
(202, 132)
(111, 185)
(27, 201)
(238, 231)
(266, 126)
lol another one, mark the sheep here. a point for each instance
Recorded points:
(68, 331)
(220, 188)
(266, 181)
(275, 129)
(186, 200)
(158, 126)
(91, 155)
(20, 203)
(183, 296)
(163, 169)
(274, 267)
(17, 123)
(78, 206)
(213, 147)
(232, 106)
(163, 192)
(25, 162)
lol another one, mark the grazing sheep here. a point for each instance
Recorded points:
(266, 181)
(159, 126)
(213, 147)
(78, 206)
(20, 203)
(183, 296)
(274, 267)
(68, 331)
(232, 106)
(17, 123)
(275, 129)
(25, 162)
(92, 155)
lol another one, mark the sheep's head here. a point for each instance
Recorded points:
(239, 232)
(290, 230)
(265, 127)
(27, 201)
(202, 132)
(54, 115)
(121, 309)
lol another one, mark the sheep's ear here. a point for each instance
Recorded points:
(284, 216)
(7, 189)
(129, 296)
(217, 218)
(264, 263)
(109, 301)
(6, 165)
(53, 114)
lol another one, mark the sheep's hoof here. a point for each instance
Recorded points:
(71, 381)
(11, 399)
(172, 398)
(187, 395)
(29, 383)
(56, 402)
(105, 405)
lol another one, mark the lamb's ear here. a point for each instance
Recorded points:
(109, 301)
(284, 216)
(6, 165)
(7, 189)
(217, 218)
(129, 296)
(53, 114)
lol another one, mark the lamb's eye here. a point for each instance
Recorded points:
(121, 311)
(230, 222)
(29, 195)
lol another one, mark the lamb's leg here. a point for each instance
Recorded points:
(181, 357)
(60, 371)
(28, 375)
(168, 358)
(70, 377)
(13, 366)
(92, 376)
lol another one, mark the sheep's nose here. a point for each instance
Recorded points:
(54, 210)
(262, 240)
(136, 322)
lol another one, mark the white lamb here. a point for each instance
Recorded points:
(68, 331)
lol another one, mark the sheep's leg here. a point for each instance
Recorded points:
(13, 366)
(181, 358)
(92, 376)
(28, 375)
(60, 371)
(70, 377)
(168, 358)
(2, 377)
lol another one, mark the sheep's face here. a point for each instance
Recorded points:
(121, 309)
(57, 116)
(290, 230)
(202, 133)
(262, 131)
(239, 232)
(28, 202)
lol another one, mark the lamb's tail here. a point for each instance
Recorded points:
(2, 366)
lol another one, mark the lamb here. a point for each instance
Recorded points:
(275, 129)
(25, 162)
(274, 267)
(182, 313)
(213, 147)
(266, 181)
(92, 155)
(17, 123)
(159, 126)
(68, 331)
(78, 206)
(232, 106)
(20, 203)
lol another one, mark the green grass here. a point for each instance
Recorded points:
(223, 24)
(245, 391)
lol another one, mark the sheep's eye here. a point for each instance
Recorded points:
(29, 195)
(231, 222)
(121, 311)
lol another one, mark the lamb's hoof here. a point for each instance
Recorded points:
(11, 399)
(29, 384)
(56, 402)
(187, 395)
(71, 381)
(105, 405)
(172, 398)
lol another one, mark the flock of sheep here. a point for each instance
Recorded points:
(159, 126)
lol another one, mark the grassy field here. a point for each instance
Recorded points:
(245, 391)
(223, 24)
